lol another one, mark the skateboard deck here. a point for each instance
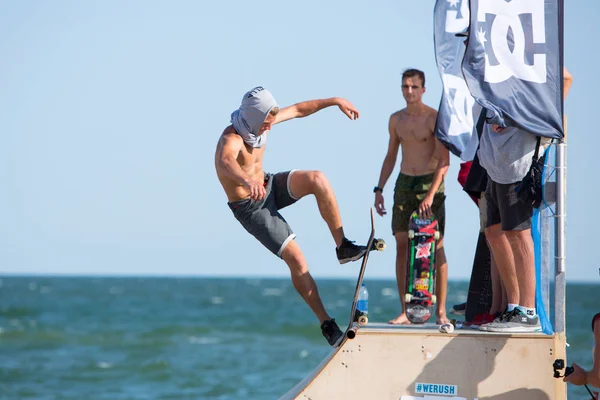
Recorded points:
(420, 299)
(356, 317)
(479, 298)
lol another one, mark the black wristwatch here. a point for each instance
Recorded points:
(377, 189)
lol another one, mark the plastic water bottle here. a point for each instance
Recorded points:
(363, 300)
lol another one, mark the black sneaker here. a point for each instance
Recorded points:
(348, 251)
(517, 322)
(331, 331)
(459, 309)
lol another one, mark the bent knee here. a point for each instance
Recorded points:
(293, 257)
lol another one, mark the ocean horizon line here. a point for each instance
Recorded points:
(210, 276)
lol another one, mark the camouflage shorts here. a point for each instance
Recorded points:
(409, 192)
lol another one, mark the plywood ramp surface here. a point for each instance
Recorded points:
(409, 363)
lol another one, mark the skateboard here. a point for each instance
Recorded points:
(479, 297)
(419, 300)
(356, 317)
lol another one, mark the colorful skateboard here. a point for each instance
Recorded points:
(372, 244)
(419, 300)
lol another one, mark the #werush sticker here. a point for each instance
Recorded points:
(435, 388)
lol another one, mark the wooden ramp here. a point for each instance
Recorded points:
(408, 363)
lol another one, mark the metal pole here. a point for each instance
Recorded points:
(561, 208)
(546, 248)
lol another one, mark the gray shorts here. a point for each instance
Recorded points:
(503, 207)
(262, 219)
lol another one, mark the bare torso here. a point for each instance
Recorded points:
(249, 159)
(417, 140)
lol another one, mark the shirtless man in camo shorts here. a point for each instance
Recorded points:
(420, 184)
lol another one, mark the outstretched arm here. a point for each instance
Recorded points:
(387, 167)
(580, 376)
(306, 108)
(228, 149)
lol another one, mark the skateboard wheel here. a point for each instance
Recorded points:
(407, 297)
(433, 299)
(363, 320)
(411, 234)
(379, 244)
(436, 235)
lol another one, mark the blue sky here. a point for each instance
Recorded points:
(110, 112)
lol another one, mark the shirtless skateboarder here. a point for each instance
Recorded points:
(255, 197)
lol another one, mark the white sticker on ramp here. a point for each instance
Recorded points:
(436, 389)
(432, 398)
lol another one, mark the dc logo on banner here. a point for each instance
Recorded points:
(455, 21)
(511, 54)
(461, 119)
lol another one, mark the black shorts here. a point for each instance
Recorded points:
(503, 207)
(262, 219)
